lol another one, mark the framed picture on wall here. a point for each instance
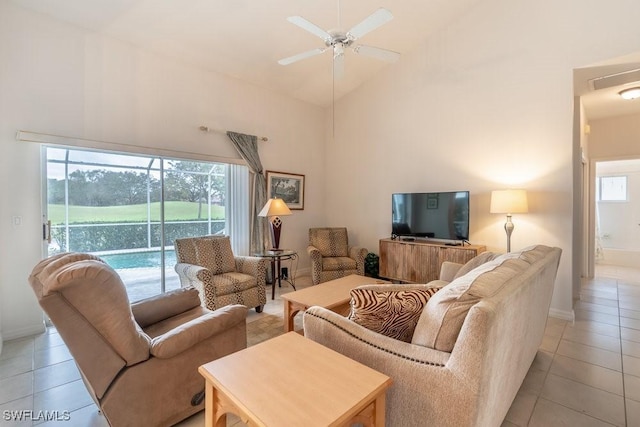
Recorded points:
(287, 186)
(432, 201)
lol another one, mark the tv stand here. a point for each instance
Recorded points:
(420, 261)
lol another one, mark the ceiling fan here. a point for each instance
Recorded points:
(339, 40)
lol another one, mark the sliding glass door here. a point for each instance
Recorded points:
(129, 210)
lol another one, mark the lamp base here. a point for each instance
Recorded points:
(508, 228)
(275, 226)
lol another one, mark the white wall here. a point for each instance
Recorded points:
(484, 104)
(615, 137)
(62, 80)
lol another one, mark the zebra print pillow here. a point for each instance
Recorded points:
(390, 310)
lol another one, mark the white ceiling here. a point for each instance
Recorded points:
(245, 39)
(607, 102)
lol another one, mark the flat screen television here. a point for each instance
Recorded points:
(443, 215)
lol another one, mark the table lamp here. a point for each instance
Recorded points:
(274, 209)
(509, 202)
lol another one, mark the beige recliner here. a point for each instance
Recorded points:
(208, 264)
(139, 362)
(331, 256)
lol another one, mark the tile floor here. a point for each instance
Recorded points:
(585, 374)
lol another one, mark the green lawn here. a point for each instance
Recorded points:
(173, 211)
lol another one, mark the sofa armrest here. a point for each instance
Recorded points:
(316, 263)
(314, 253)
(188, 334)
(163, 306)
(358, 253)
(189, 273)
(425, 382)
(333, 330)
(448, 270)
(251, 265)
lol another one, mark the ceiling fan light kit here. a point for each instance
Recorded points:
(339, 40)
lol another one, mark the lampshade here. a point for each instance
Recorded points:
(275, 207)
(509, 201)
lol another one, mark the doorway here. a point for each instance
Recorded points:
(617, 213)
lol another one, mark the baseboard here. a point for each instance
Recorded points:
(569, 316)
(24, 332)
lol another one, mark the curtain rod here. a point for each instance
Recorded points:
(67, 141)
(208, 129)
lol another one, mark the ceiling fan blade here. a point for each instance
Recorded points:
(376, 52)
(303, 55)
(373, 21)
(338, 66)
(309, 26)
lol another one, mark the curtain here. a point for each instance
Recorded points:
(238, 209)
(247, 146)
(599, 248)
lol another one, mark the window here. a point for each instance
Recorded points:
(129, 209)
(611, 189)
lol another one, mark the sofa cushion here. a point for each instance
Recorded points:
(232, 283)
(389, 310)
(475, 262)
(444, 314)
(215, 254)
(338, 263)
(331, 242)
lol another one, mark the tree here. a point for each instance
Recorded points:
(101, 187)
(55, 191)
(195, 182)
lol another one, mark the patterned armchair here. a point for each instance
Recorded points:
(331, 256)
(208, 264)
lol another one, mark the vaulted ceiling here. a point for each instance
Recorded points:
(245, 39)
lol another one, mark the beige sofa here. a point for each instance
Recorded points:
(473, 343)
(139, 362)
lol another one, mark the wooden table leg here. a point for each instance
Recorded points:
(213, 414)
(290, 311)
(379, 410)
(373, 414)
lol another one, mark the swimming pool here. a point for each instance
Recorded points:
(146, 259)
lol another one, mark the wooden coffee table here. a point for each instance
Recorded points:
(293, 381)
(333, 295)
